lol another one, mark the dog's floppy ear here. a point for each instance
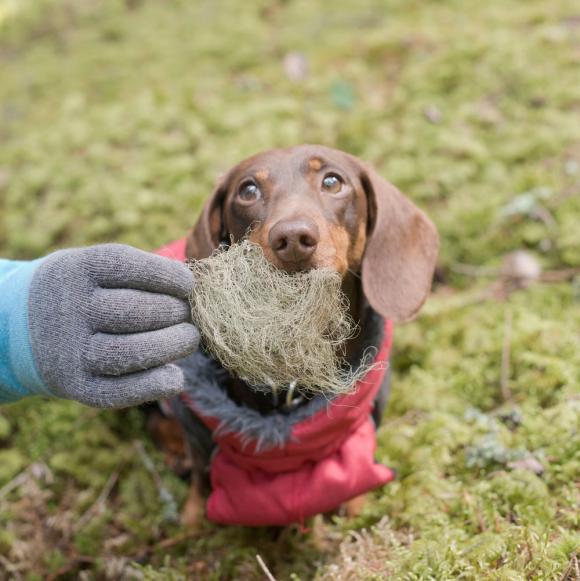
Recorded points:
(401, 250)
(207, 233)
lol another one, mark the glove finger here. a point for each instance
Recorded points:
(133, 389)
(110, 354)
(132, 311)
(120, 266)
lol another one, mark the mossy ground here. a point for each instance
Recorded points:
(115, 119)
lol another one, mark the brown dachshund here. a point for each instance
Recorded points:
(310, 207)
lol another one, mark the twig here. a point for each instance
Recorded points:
(165, 497)
(264, 567)
(456, 302)
(99, 504)
(474, 271)
(505, 355)
(559, 275)
(166, 544)
(17, 481)
(548, 276)
(573, 564)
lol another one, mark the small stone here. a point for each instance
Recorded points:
(521, 268)
(530, 464)
(296, 66)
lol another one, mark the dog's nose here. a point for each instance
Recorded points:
(294, 242)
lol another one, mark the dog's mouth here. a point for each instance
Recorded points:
(295, 267)
(302, 267)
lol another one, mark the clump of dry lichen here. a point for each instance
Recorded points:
(270, 328)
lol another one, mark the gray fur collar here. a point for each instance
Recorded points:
(205, 385)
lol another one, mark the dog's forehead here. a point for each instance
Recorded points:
(303, 159)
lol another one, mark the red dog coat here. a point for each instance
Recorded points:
(326, 457)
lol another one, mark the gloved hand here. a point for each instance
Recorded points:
(106, 322)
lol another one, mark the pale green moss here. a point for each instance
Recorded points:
(115, 120)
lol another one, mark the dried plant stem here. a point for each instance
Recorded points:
(165, 496)
(13, 484)
(572, 568)
(264, 568)
(99, 505)
(505, 355)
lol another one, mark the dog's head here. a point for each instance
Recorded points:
(310, 207)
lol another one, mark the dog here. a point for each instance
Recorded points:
(308, 207)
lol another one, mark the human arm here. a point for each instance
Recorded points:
(101, 325)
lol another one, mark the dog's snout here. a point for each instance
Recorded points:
(295, 241)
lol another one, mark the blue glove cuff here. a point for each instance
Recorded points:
(19, 375)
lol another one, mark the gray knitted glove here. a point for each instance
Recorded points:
(107, 321)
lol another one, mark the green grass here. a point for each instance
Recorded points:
(116, 119)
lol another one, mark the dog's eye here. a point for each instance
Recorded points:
(249, 192)
(332, 183)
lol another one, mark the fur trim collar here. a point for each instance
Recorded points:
(205, 392)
